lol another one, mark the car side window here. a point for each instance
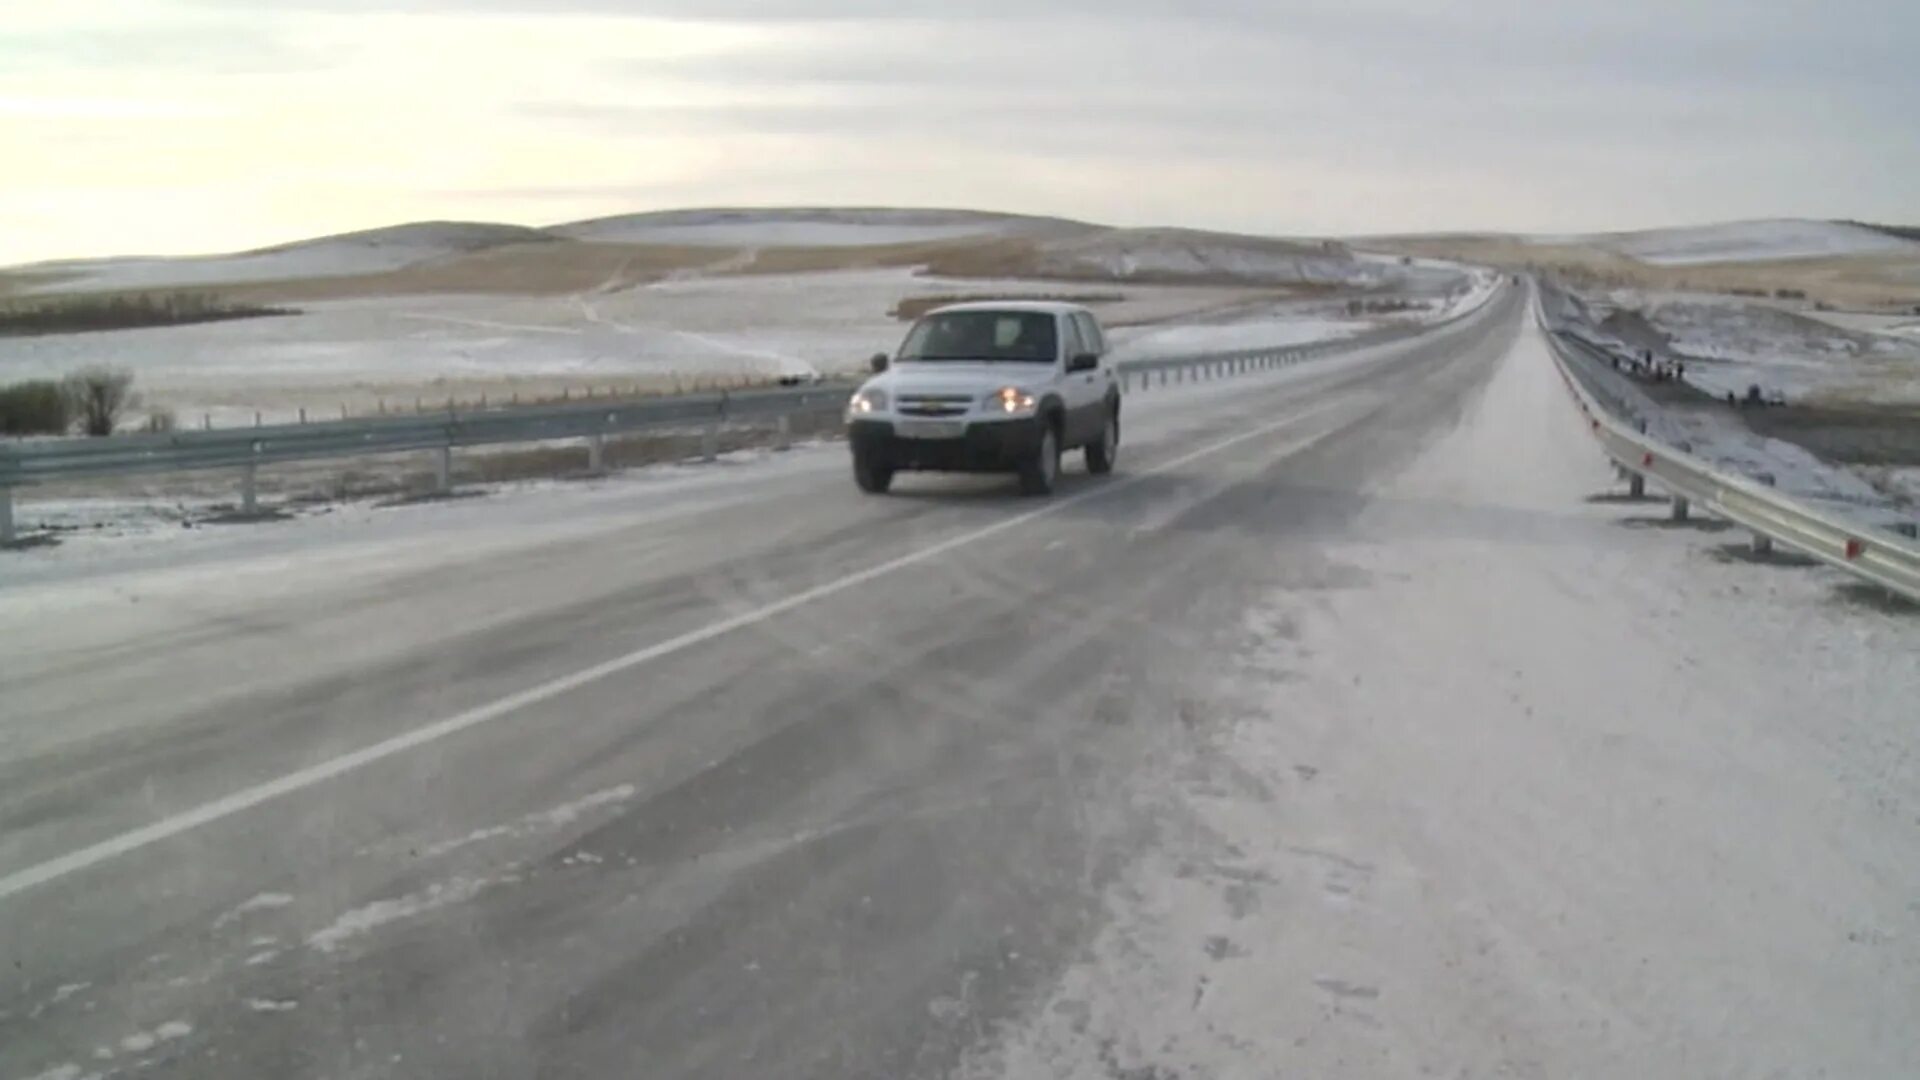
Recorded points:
(1070, 344)
(1090, 333)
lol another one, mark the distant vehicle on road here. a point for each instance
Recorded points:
(989, 387)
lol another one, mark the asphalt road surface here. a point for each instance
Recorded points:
(758, 778)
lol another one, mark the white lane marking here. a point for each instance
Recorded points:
(53, 869)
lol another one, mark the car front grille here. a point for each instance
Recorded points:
(934, 404)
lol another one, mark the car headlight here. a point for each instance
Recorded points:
(1010, 400)
(868, 401)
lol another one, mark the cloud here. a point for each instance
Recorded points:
(1284, 115)
(202, 45)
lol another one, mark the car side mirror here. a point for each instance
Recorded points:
(878, 363)
(1085, 361)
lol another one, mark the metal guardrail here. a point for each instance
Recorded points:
(246, 449)
(1882, 557)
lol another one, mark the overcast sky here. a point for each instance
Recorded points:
(164, 126)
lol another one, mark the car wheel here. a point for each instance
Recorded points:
(1102, 451)
(1042, 471)
(873, 477)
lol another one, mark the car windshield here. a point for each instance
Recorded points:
(1020, 336)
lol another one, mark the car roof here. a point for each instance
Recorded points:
(1046, 307)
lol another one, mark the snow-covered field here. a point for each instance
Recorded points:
(362, 353)
(1717, 435)
(1543, 792)
(1730, 343)
(1181, 254)
(1293, 322)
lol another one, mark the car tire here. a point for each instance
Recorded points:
(1102, 451)
(1041, 471)
(872, 476)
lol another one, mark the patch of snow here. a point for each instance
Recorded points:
(68, 1071)
(66, 991)
(266, 901)
(267, 1005)
(263, 957)
(539, 821)
(1902, 484)
(371, 917)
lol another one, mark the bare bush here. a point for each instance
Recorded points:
(98, 396)
(35, 407)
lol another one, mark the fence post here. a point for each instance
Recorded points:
(1680, 508)
(303, 414)
(1637, 485)
(6, 515)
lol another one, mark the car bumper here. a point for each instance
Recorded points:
(989, 446)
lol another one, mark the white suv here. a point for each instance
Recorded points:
(989, 387)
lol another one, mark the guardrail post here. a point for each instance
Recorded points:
(1680, 508)
(710, 440)
(596, 453)
(783, 432)
(1762, 543)
(1636, 485)
(250, 489)
(6, 515)
(443, 470)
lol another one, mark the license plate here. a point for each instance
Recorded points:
(929, 429)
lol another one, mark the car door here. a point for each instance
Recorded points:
(1105, 383)
(1081, 392)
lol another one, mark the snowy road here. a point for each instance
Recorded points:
(1339, 735)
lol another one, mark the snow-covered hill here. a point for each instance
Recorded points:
(803, 227)
(370, 252)
(1754, 241)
